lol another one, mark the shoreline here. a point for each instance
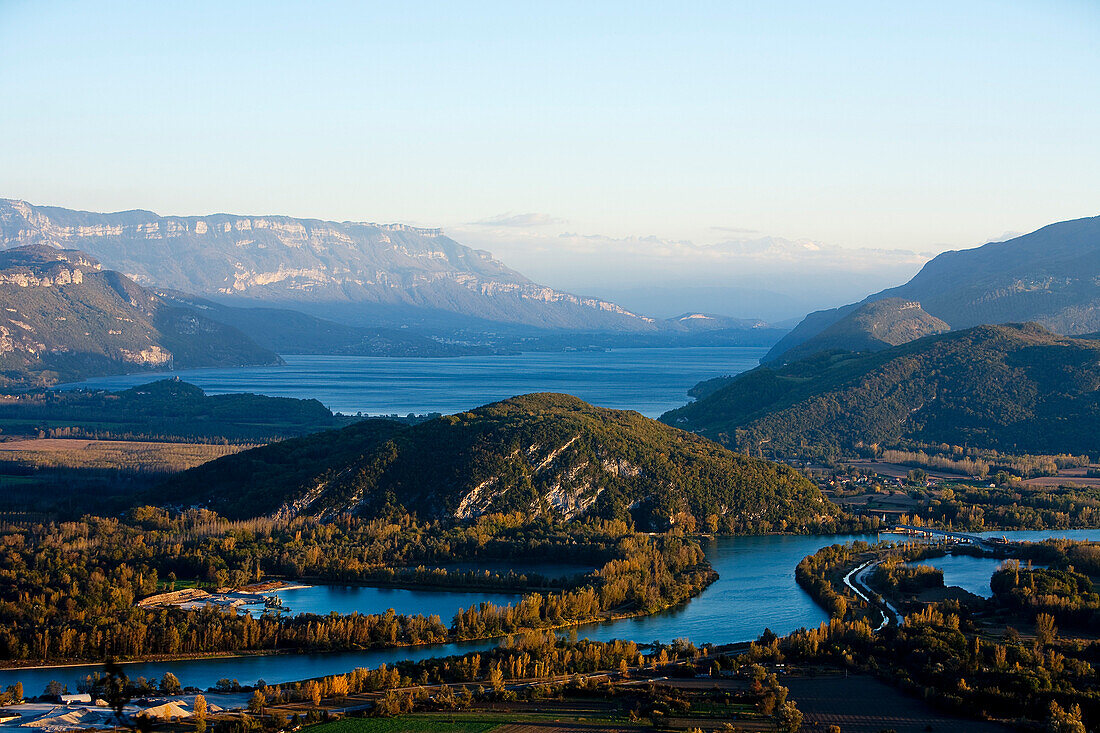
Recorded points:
(610, 617)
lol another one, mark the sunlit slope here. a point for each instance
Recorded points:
(546, 454)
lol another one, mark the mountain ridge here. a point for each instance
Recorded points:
(545, 454)
(359, 272)
(1050, 276)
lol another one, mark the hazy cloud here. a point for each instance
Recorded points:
(518, 220)
(751, 275)
(760, 253)
(734, 230)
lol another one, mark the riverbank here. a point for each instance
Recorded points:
(756, 589)
(604, 618)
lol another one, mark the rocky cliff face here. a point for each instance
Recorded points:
(354, 270)
(62, 316)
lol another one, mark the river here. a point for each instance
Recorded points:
(756, 590)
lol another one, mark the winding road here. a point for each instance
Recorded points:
(854, 581)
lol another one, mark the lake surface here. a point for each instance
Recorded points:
(969, 573)
(324, 599)
(651, 381)
(973, 573)
(756, 590)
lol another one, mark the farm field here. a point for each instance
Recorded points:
(125, 455)
(862, 704)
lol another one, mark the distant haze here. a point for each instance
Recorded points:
(745, 276)
(888, 131)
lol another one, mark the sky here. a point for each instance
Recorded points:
(685, 151)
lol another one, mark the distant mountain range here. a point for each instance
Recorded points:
(696, 322)
(1014, 388)
(547, 454)
(354, 272)
(64, 317)
(1050, 276)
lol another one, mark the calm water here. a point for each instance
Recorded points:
(756, 589)
(973, 573)
(651, 381)
(969, 573)
(324, 599)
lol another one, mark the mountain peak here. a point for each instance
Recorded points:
(872, 326)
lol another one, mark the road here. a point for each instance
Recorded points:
(854, 581)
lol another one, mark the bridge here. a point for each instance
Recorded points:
(956, 536)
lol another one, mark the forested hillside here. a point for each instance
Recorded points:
(167, 409)
(1016, 388)
(63, 317)
(546, 454)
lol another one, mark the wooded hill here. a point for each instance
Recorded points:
(1014, 388)
(167, 409)
(548, 454)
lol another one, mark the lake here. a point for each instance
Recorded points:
(970, 573)
(756, 589)
(651, 381)
(973, 573)
(324, 599)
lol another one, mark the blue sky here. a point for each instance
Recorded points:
(565, 136)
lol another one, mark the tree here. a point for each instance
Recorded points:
(496, 678)
(789, 718)
(339, 686)
(1065, 721)
(1045, 630)
(54, 688)
(257, 702)
(115, 687)
(198, 712)
(313, 691)
(170, 684)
